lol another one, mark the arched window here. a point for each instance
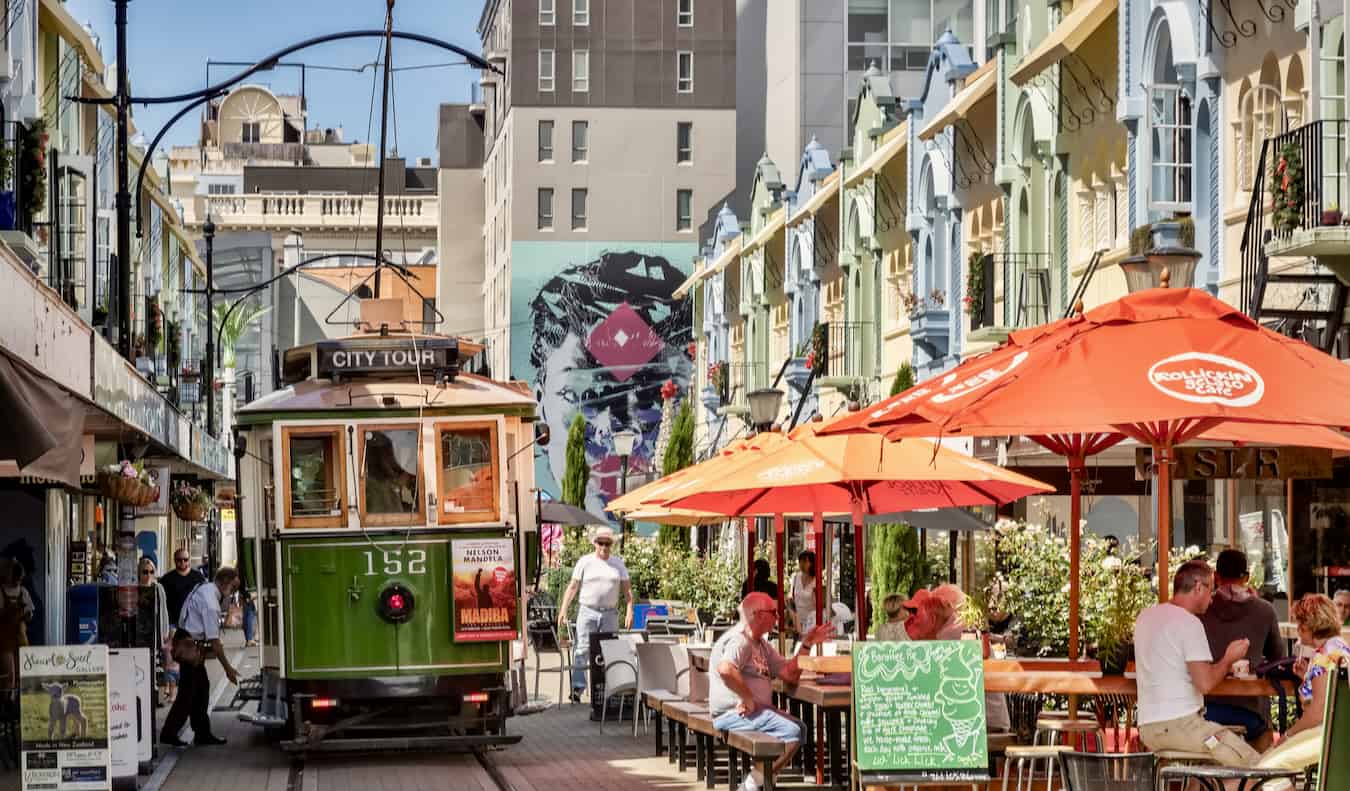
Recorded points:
(1170, 130)
(1262, 116)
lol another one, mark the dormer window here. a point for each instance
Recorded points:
(250, 132)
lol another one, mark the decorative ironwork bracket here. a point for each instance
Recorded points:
(1227, 36)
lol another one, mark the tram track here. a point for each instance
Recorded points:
(304, 774)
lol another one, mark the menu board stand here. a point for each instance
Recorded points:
(918, 713)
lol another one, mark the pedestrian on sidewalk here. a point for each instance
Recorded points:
(200, 621)
(179, 583)
(600, 578)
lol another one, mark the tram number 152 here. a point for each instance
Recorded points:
(394, 561)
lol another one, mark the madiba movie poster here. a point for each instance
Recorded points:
(483, 573)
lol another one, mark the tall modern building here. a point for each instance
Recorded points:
(800, 64)
(609, 140)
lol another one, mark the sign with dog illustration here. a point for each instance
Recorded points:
(63, 700)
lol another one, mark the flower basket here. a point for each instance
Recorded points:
(127, 491)
(149, 496)
(191, 512)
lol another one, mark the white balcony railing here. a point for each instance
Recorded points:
(290, 211)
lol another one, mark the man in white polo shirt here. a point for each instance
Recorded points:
(600, 578)
(1176, 670)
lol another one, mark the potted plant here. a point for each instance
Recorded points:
(8, 202)
(1331, 215)
(974, 299)
(32, 148)
(100, 316)
(1286, 189)
(190, 503)
(800, 365)
(127, 483)
(910, 301)
(717, 377)
(937, 298)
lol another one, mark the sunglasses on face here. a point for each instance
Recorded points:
(147, 571)
(604, 543)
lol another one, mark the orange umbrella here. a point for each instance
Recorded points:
(662, 490)
(1162, 366)
(858, 474)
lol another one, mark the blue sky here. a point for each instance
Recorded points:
(170, 43)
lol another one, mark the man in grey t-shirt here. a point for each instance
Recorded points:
(740, 688)
(600, 578)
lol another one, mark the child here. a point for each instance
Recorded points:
(894, 628)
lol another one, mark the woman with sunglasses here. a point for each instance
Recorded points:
(146, 577)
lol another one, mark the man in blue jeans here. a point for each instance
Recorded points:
(740, 688)
(598, 580)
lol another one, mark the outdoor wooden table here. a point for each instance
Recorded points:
(835, 702)
(698, 658)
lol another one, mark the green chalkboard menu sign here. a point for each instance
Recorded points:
(919, 711)
(1334, 774)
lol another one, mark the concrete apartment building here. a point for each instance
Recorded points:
(800, 64)
(608, 144)
(280, 193)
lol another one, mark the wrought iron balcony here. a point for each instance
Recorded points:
(849, 349)
(1025, 278)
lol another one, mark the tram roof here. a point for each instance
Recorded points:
(466, 394)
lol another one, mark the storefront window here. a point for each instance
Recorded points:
(315, 477)
(390, 484)
(468, 487)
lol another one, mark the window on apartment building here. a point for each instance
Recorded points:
(548, 12)
(581, 12)
(898, 35)
(220, 189)
(579, 209)
(581, 133)
(684, 142)
(684, 13)
(545, 141)
(684, 71)
(250, 132)
(545, 216)
(684, 201)
(546, 71)
(581, 70)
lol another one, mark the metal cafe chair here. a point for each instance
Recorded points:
(542, 635)
(1108, 771)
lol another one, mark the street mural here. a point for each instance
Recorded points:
(597, 332)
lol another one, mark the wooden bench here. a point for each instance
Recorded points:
(754, 747)
(653, 700)
(706, 738)
(678, 714)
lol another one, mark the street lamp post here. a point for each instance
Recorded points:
(623, 445)
(764, 405)
(209, 364)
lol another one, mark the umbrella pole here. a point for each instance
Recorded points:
(1077, 465)
(818, 528)
(751, 533)
(1162, 460)
(778, 547)
(859, 573)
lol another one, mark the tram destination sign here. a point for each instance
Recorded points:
(391, 356)
(1269, 464)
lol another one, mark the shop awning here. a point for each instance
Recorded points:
(979, 85)
(1066, 38)
(827, 189)
(766, 233)
(44, 424)
(732, 251)
(891, 145)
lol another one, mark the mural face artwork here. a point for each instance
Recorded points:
(597, 332)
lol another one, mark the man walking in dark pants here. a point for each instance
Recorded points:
(200, 621)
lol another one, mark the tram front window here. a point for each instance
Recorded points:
(314, 476)
(390, 481)
(467, 456)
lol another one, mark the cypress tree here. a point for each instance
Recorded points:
(679, 454)
(893, 565)
(578, 473)
(904, 378)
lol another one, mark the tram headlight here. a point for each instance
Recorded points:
(396, 603)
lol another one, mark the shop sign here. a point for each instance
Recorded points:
(63, 731)
(1214, 463)
(483, 577)
(121, 391)
(130, 709)
(209, 453)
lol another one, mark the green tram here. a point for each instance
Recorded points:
(385, 489)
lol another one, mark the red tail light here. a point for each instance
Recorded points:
(476, 697)
(323, 703)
